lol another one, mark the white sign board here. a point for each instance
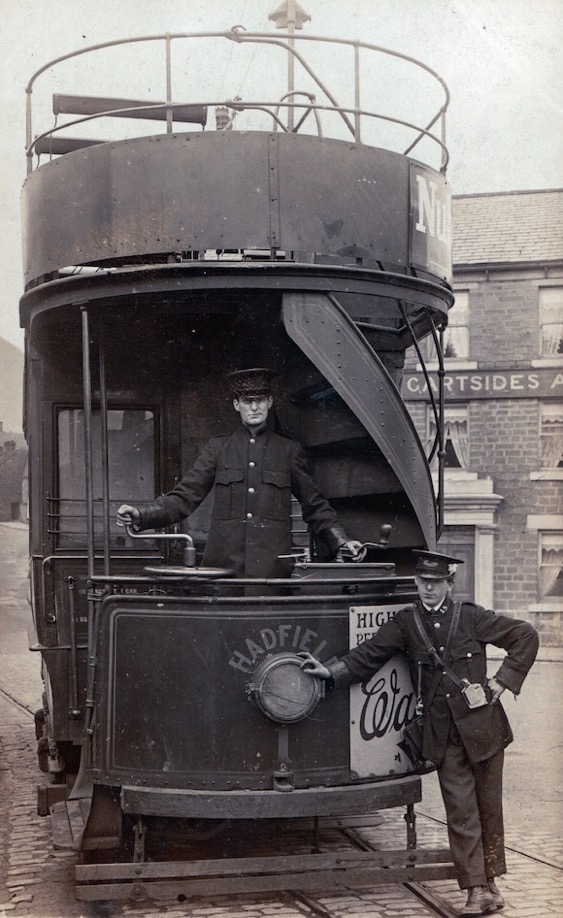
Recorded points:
(380, 708)
(431, 222)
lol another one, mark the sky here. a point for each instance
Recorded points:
(499, 58)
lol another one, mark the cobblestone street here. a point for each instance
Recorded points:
(281, 455)
(38, 882)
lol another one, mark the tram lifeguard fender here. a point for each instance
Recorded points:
(177, 193)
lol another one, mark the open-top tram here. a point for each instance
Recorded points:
(296, 232)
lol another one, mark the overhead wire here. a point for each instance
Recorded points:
(228, 61)
(263, 27)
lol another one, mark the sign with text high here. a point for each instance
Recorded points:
(380, 708)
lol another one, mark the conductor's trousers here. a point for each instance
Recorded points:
(473, 799)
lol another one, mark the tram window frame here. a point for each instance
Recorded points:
(73, 537)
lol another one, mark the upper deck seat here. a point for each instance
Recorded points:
(116, 108)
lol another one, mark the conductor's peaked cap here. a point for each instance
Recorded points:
(254, 381)
(432, 564)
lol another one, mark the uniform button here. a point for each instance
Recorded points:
(448, 695)
(252, 440)
(251, 465)
(249, 516)
(444, 673)
(251, 490)
(469, 654)
(437, 624)
(442, 649)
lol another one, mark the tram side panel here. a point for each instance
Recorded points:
(140, 412)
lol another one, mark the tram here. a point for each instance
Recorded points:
(171, 237)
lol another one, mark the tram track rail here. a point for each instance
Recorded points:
(430, 898)
(310, 903)
(20, 705)
(531, 857)
(309, 906)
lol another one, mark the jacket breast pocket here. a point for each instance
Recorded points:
(469, 661)
(229, 494)
(276, 497)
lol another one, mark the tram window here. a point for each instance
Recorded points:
(131, 469)
(551, 565)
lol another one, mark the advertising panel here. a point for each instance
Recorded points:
(430, 237)
(379, 709)
(545, 382)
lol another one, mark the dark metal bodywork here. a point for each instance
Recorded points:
(155, 265)
(194, 659)
(160, 195)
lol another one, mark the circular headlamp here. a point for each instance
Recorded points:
(283, 691)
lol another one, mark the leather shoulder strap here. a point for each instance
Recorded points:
(453, 627)
(451, 634)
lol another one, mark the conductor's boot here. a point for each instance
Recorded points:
(496, 893)
(480, 901)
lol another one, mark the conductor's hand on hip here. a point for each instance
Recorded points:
(496, 688)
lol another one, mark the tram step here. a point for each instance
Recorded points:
(48, 795)
(68, 818)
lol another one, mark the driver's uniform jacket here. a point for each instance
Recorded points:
(254, 476)
(447, 718)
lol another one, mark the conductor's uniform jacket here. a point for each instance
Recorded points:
(254, 475)
(447, 717)
(466, 744)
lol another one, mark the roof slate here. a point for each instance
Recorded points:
(516, 226)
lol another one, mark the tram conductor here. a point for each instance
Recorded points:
(464, 732)
(254, 470)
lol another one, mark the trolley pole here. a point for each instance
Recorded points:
(290, 15)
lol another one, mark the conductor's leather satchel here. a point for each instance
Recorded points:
(413, 735)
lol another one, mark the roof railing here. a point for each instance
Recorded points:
(353, 117)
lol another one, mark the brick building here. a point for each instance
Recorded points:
(13, 482)
(504, 405)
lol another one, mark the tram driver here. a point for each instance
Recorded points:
(254, 471)
(464, 732)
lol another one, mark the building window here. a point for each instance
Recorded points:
(551, 435)
(551, 321)
(551, 565)
(456, 335)
(456, 437)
